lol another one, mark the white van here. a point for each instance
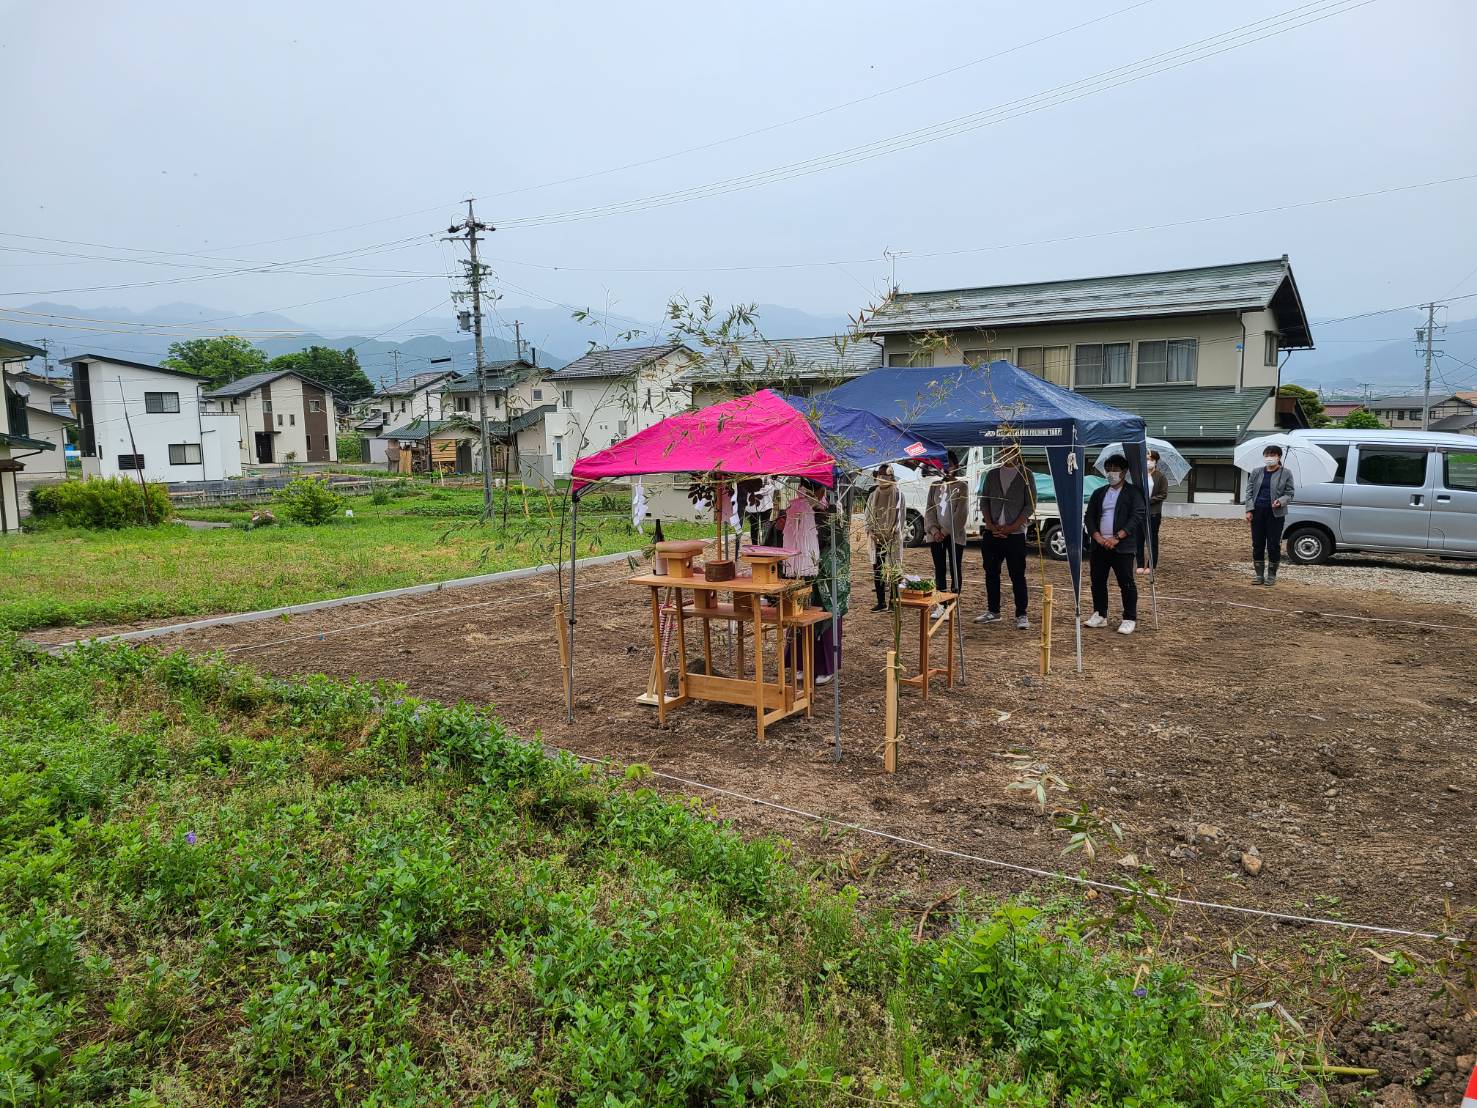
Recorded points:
(1395, 492)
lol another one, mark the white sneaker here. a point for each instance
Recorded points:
(1126, 627)
(936, 611)
(1096, 620)
(1022, 623)
(824, 679)
(991, 617)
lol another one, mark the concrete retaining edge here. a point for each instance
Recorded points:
(337, 602)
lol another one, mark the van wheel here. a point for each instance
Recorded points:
(1055, 543)
(1310, 546)
(915, 529)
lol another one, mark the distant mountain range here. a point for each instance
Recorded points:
(1380, 353)
(550, 334)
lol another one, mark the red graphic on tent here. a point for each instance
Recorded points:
(1470, 1099)
(915, 449)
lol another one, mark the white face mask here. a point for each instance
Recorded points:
(1115, 477)
(1151, 463)
(1271, 460)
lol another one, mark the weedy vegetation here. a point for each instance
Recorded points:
(219, 887)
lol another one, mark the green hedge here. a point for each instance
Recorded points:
(101, 503)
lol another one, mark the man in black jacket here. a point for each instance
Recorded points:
(1115, 519)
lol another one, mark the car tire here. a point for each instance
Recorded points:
(1054, 542)
(915, 535)
(1309, 546)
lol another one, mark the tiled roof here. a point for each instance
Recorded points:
(498, 429)
(1184, 414)
(136, 365)
(501, 376)
(614, 363)
(1415, 400)
(252, 381)
(1462, 422)
(1244, 286)
(775, 361)
(413, 383)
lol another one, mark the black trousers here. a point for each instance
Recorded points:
(879, 578)
(1100, 562)
(1012, 551)
(1150, 557)
(948, 562)
(1266, 535)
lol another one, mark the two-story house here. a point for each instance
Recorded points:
(283, 417)
(418, 395)
(1403, 413)
(17, 443)
(135, 418)
(49, 416)
(799, 366)
(518, 404)
(1197, 352)
(607, 395)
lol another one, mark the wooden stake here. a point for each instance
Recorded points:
(561, 629)
(1046, 606)
(889, 742)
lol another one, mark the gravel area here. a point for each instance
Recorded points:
(1452, 585)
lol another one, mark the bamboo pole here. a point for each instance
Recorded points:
(561, 629)
(1046, 608)
(889, 742)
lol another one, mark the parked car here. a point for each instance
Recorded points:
(1395, 492)
(1045, 521)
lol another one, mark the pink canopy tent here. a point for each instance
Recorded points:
(749, 436)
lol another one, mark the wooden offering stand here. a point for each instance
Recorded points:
(922, 603)
(772, 701)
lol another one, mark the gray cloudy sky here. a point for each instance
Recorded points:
(194, 128)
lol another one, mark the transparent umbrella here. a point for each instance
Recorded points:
(1309, 463)
(1172, 463)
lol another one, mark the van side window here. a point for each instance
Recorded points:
(1392, 465)
(1459, 469)
(1340, 451)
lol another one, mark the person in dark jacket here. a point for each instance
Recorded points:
(1116, 519)
(1007, 499)
(1158, 494)
(1269, 491)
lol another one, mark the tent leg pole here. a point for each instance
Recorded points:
(1079, 642)
(835, 645)
(574, 519)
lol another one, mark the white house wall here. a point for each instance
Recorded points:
(112, 387)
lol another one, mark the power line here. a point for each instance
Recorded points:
(1200, 50)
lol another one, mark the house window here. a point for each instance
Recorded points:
(279, 419)
(538, 394)
(1217, 478)
(622, 428)
(1167, 361)
(906, 359)
(1102, 363)
(184, 453)
(161, 403)
(558, 448)
(1270, 356)
(292, 419)
(463, 403)
(1050, 362)
(986, 356)
(317, 406)
(567, 398)
(130, 461)
(325, 442)
(266, 405)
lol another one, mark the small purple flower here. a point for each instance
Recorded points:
(190, 837)
(1141, 991)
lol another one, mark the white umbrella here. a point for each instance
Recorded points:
(1309, 463)
(1174, 465)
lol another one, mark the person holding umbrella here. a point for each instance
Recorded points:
(884, 531)
(1269, 490)
(1158, 494)
(1116, 515)
(945, 518)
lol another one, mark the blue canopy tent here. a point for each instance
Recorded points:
(1000, 404)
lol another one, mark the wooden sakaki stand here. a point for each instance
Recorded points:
(793, 689)
(928, 627)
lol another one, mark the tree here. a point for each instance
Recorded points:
(338, 371)
(1309, 401)
(1360, 419)
(219, 360)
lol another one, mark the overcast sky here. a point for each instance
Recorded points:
(196, 128)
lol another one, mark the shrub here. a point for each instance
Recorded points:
(101, 503)
(309, 500)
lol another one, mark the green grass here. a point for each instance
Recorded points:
(76, 577)
(217, 887)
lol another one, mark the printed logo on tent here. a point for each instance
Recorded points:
(1469, 1100)
(915, 449)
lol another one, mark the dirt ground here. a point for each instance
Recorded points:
(1338, 750)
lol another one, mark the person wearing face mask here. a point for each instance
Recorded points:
(1115, 518)
(1269, 491)
(884, 532)
(1158, 494)
(1007, 499)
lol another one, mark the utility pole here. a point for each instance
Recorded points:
(1429, 336)
(468, 230)
(394, 356)
(518, 337)
(46, 360)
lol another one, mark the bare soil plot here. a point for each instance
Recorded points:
(1341, 749)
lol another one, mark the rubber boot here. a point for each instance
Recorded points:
(1261, 573)
(1272, 574)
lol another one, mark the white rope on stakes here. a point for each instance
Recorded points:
(1209, 905)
